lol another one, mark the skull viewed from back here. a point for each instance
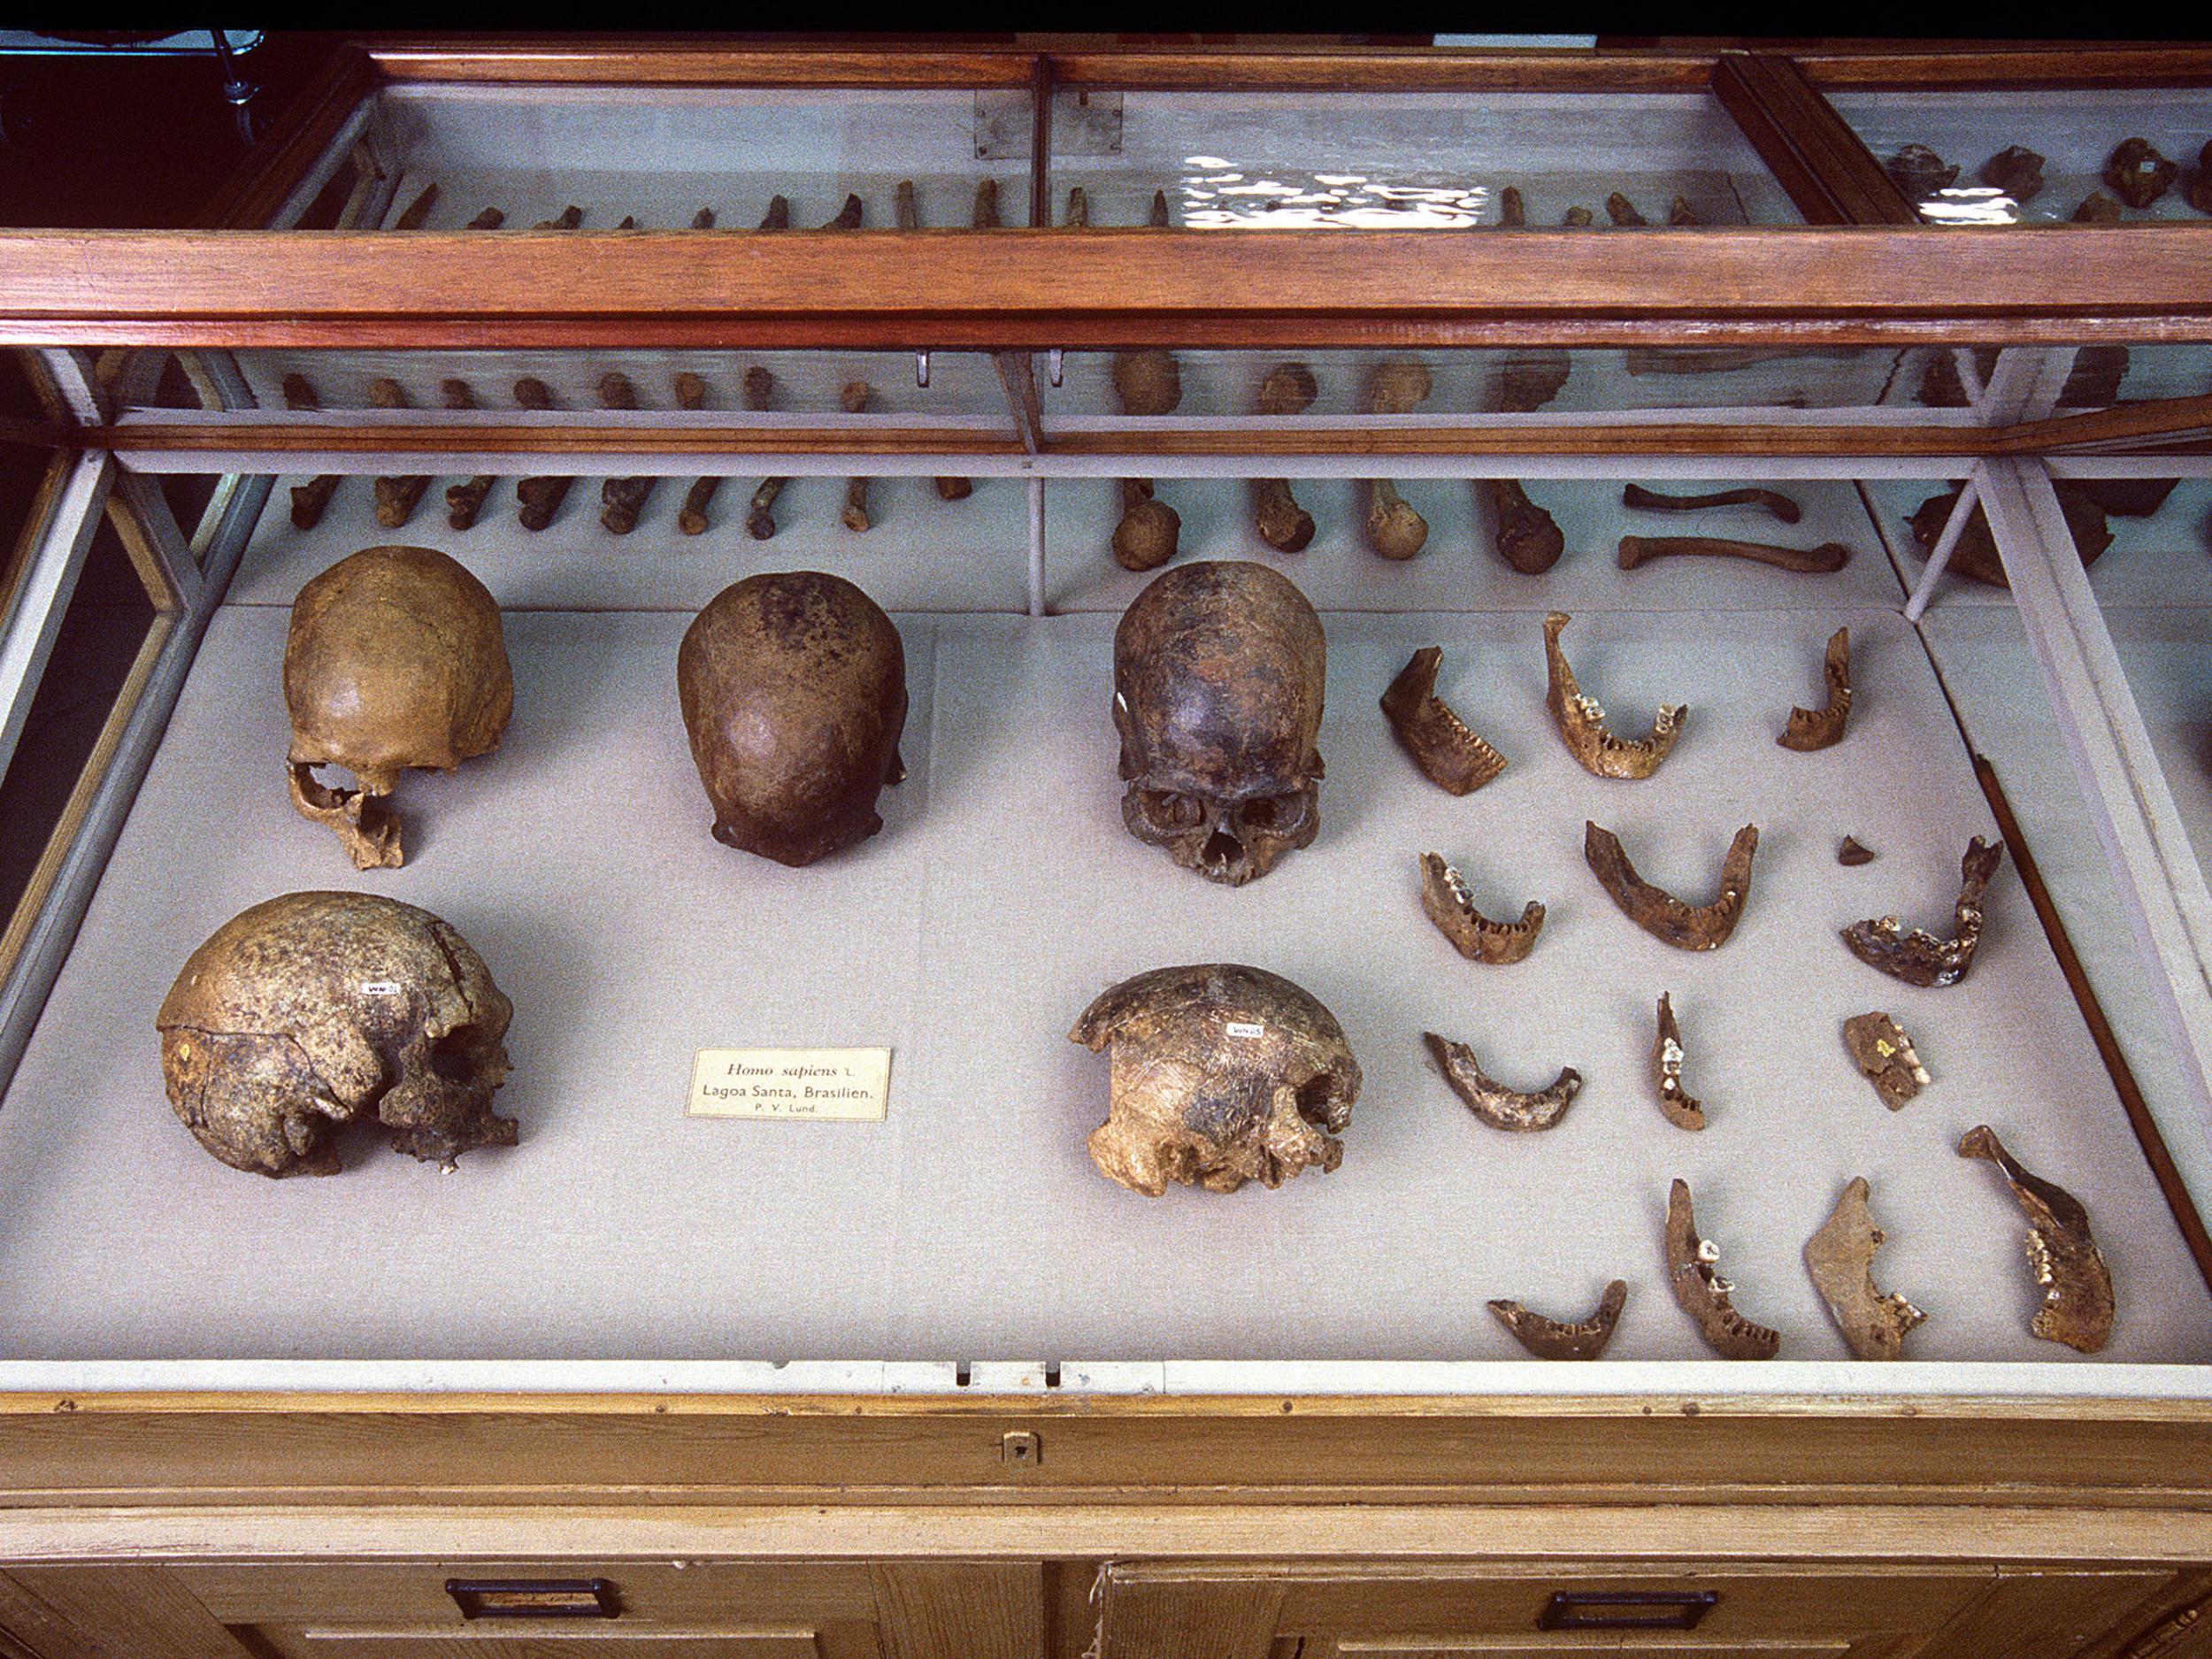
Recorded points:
(1218, 691)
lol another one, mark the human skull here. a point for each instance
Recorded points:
(309, 1010)
(1221, 1074)
(794, 693)
(1217, 687)
(395, 659)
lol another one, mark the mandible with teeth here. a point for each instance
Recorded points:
(1217, 690)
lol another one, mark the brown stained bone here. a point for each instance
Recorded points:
(621, 499)
(1450, 754)
(1879, 1045)
(1702, 1294)
(464, 501)
(1772, 500)
(902, 209)
(1919, 957)
(1975, 555)
(1530, 378)
(1552, 1339)
(1529, 538)
(490, 219)
(2077, 1307)
(1145, 534)
(853, 514)
(1659, 913)
(539, 498)
(314, 1010)
(691, 517)
(1394, 530)
(1840, 1259)
(1808, 729)
(1850, 854)
(1496, 1104)
(2127, 497)
(847, 217)
(985, 215)
(568, 218)
(953, 488)
(1920, 172)
(396, 498)
(1444, 896)
(1078, 213)
(2198, 192)
(779, 214)
(1577, 218)
(1157, 219)
(794, 693)
(1681, 1108)
(1288, 389)
(1511, 211)
(309, 500)
(1148, 383)
(2015, 170)
(1680, 212)
(1222, 1074)
(395, 660)
(704, 220)
(1581, 720)
(1621, 211)
(1642, 549)
(2137, 173)
(2097, 208)
(760, 518)
(418, 210)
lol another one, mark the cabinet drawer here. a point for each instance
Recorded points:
(642, 1642)
(705, 1595)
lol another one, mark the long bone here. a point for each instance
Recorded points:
(1658, 912)
(417, 210)
(1496, 1104)
(1642, 549)
(1529, 538)
(310, 499)
(1287, 388)
(1692, 1272)
(1393, 528)
(2077, 1307)
(1511, 211)
(691, 517)
(760, 515)
(396, 497)
(621, 499)
(464, 501)
(1809, 729)
(1773, 501)
(539, 498)
(1581, 720)
(853, 514)
(1554, 1339)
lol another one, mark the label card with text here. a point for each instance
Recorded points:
(841, 1085)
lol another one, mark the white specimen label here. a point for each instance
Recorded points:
(1247, 1028)
(833, 1085)
(381, 988)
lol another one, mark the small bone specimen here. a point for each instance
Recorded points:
(308, 499)
(2127, 497)
(1623, 211)
(853, 514)
(1920, 172)
(569, 220)
(1772, 500)
(418, 210)
(2097, 208)
(760, 518)
(1218, 675)
(1496, 1104)
(793, 694)
(1449, 755)
(396, 497)
(1145, 537)
(1510, 208)
(395, 659)
(2016, 171)
(1288, 389)
(1849, 852)
(313, 1010)
(1680, 212)
(1393, 528)
(902, 206)
(1822, 728)
(691, 517)
(1882, 1051)
(2076, 1284)
(1642, 549)
(779, 214)
(621, 499)
(490, 219)
(1222, 1074)
(1551, 1339)
(2199, 192)
(1445, 897)
(540, 497)
(1581, 720)
(848, 216)
(1659, 913)
(1529, 538)
(1976, 554)
(1157, 219)
(1529, 380)
(464, 501)
(2137, 173)
(1919, 957)
(985, 215)
(1681, 1107)
(1577, 218)
(1078, 213)
(704, 220)
(951, 486)
(1692, 1270)
(1840, 1259)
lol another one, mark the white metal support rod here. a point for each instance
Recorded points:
(1970, 376)
(27, 637)
(77, 383)
(1940, 556)
(149, 507)
(2024, 385)
(2162, 887)
(1036, 547)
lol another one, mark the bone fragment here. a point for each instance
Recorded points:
(1078, 213)
(1529, 538)
(490, 219)
(691, 519)
(2097, 208)
(464, 501)
(540, 497)
(1809, 729)
(779, 214)
(1288, 389)
(629, 222)
(853, 514)
(2078, 1306)
(1450, 754)
(1658, 912)
(569, 220)
(985, 215)
(1146, 536)
(1919, 957)
(2015, 170)
(1393, 528)
(1444, 896)
(1680, 212)
(902, 206)
(417, 210)
(1879, 1047)
(1642, 549)
(1511, 211)
(396, 497)
(1920, 172)
(308, 499)
(1772, 500)
(1581, 720)
(1577, 218)
(1848, 852)
(759, 388)
(848, 216)
(1693, 1271)
(1529, 380)
(1623, 211)
(1681, 1108)
(2137, 173)
(1157, 219)
(1499, 1107)
(1551, 1339)
(1840, 1259)
(620, 499)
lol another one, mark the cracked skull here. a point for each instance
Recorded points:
(1217, 692)
(395, 660)
(1222, 1074)
(310, 1011)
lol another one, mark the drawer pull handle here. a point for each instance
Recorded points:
(1626, 1609)
(534, 1598)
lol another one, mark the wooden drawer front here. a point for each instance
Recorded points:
(548, 1644)
(1551, 1645)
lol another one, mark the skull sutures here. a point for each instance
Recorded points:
(1217, 692)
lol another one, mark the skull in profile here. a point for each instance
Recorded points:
(1218, 691)
(1222, 1074)
(395, 659)
(310, 1011)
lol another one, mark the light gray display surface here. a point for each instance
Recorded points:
(1002, 895)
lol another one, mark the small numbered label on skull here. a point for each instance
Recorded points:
(1247, 1028)
(839, 1085)
(381, 988)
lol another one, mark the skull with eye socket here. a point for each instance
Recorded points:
(1217, 690)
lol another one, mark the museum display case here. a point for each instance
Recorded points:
(1782, 624)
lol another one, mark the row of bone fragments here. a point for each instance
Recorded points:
(2135, 172)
